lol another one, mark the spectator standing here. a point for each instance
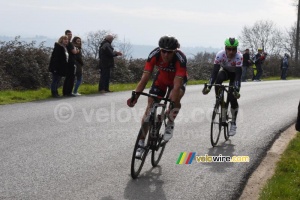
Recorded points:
(79, 64)
(70, 76)
(258, 61)
(106, 56)
(284, 66)
(246, 64)
(58, 63)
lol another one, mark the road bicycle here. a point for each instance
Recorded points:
(221, 116)
(151, 131)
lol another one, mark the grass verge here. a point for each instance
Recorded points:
(285, 184)
(15, 96)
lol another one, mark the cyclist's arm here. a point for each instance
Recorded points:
(143, 82)
(237, 80)
(214, 74)
(174, 96)
(148, 69)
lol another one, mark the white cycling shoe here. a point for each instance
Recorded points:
(232, 130)
(140, 151)
(169, 131)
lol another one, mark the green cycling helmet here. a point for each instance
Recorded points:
(231, 42)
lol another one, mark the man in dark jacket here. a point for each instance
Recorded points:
(284, 66)
(106, 56)
(259, 59)
(246, 64)
(70, 76)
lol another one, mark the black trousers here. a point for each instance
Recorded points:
(68, 84)
(283, 73)
(69, 80)
(104, 79)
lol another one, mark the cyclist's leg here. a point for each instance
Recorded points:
(177, 105)
(176, 93)
(234, 106)
(157, 90)
(222, 76)
(145, 119)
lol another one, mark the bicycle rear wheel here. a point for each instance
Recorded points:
(216, 124)
(138, 162)
(159, 147)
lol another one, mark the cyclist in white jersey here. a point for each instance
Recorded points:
(228, 66)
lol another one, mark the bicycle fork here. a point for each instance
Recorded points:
(224, 108)
(154, 119)
(157, 120)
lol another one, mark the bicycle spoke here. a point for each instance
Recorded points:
(138, 162)
(160, 146)
(153, 142)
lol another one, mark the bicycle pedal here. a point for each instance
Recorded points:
(224, 124)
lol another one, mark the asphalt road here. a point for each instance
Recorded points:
(80, 148)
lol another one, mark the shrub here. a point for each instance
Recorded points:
(25, 66)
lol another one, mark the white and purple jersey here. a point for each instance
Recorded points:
(229, 64)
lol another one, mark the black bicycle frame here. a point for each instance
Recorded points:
(224, 104)
(156, 123)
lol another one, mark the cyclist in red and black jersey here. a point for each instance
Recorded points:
(171, 73)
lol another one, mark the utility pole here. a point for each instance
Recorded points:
(297, 35)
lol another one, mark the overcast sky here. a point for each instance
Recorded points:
(194, 22)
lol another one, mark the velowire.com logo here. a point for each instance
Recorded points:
(188, 157)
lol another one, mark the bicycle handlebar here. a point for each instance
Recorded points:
(134, 93)
(235, 92)
(219, 85)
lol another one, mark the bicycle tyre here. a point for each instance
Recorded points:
(216, 124)
(226, 136)
(159, 147)
(137, 163)
(228, 120)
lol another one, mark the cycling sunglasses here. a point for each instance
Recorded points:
(231, 49)
(166, 51)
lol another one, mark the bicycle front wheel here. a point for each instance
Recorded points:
(138, 162)
(228, 121)
(216, 124)
(158, 148)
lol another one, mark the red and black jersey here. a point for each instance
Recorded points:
(166, 72)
